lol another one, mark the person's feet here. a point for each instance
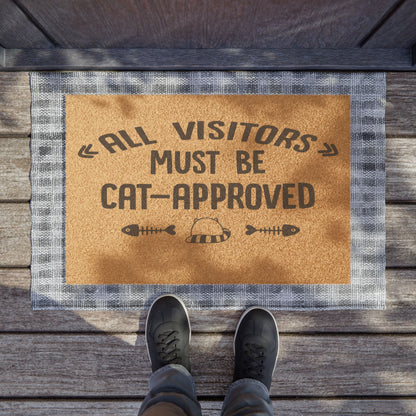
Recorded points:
(168, 332)
(256, 345)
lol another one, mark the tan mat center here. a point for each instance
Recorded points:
(187, 189)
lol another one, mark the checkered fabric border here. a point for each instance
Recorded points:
(367, 92)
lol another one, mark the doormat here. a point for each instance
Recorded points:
(229, 189)
(218, 189)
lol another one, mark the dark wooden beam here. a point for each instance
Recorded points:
(190, 24)
(384, 18)
(17, 30)
(208, 59)
(398, 31)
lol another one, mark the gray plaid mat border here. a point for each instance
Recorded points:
(367, 92)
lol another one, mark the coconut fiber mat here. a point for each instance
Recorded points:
(229, 189)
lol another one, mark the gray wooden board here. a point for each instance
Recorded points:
(399, 316)
(398, 31)
(14, 104)
(400, 104)
(15, 166)
(304, 407)
(44, 365)
(56, 365)
(398, 59)
(14, 169)
(207, 23)
(400, 170)
(17, 31)
(15, 235)
(400, 235)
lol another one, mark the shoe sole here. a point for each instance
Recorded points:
(148, 314)
(275, 324)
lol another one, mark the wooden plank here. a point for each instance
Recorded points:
(46, 365)
(14, 170)
(15, 235)
(207, 23)
(400, 105)
(400, 170)
(400, 235)
(17, 30)
(304, 407)
(399, 316)
(209, 59)
(398, 31)
(14, 104)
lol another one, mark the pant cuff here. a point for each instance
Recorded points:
(168, 368)
(240, 381)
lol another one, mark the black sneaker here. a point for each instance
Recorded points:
(168, 332)
(256, 345)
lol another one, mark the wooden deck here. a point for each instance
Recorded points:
(94, 363)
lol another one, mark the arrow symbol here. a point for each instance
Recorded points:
(86, 152)
(330, 150)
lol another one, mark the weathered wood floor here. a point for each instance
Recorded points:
(94, 363)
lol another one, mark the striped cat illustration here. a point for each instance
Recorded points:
(208, 230)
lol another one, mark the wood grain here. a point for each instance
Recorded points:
(15, 235)
(399, 316)
(401, 170)
(14, 170)
(304, 407)
(109, 59)
(84, 373)
(400, 235)
(17, 31)
(14, 104)
(207, 23)
(400, 104)
(117, 366)
(15, 166)
(398, 31)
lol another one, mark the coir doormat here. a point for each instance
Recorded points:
(229, 189)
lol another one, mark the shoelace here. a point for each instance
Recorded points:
(167, 348)
(254, 361)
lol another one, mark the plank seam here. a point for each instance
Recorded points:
(14, 201)
(399, 202)
(14, 268)
(13, 135)
(206, 398)
(386, 16)
(35, 22)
